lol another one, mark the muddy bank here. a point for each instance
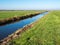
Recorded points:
(15, 34)
(16, 18)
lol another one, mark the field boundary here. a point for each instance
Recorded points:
(16, 34)
(11, 20)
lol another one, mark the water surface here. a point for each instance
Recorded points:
(11, 28)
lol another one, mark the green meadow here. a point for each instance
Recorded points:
(13, 13)
(45, 32)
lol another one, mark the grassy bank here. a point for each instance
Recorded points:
(46, 31)
(13, 13)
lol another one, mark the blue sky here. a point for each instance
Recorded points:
(29, 4)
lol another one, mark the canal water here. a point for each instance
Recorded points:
(11, 28)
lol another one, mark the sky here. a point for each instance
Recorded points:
(29, 4)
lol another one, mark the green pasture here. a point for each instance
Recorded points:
(13, 13)
(45, 32)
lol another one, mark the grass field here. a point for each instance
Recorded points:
(45, 32)
(9, 14)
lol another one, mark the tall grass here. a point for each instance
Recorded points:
(45, 32)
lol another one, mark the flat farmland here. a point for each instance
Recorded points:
(45, 32)
(14, 13)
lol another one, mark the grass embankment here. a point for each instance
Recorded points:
(10, 14)
(7, 17)
(45, 32)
